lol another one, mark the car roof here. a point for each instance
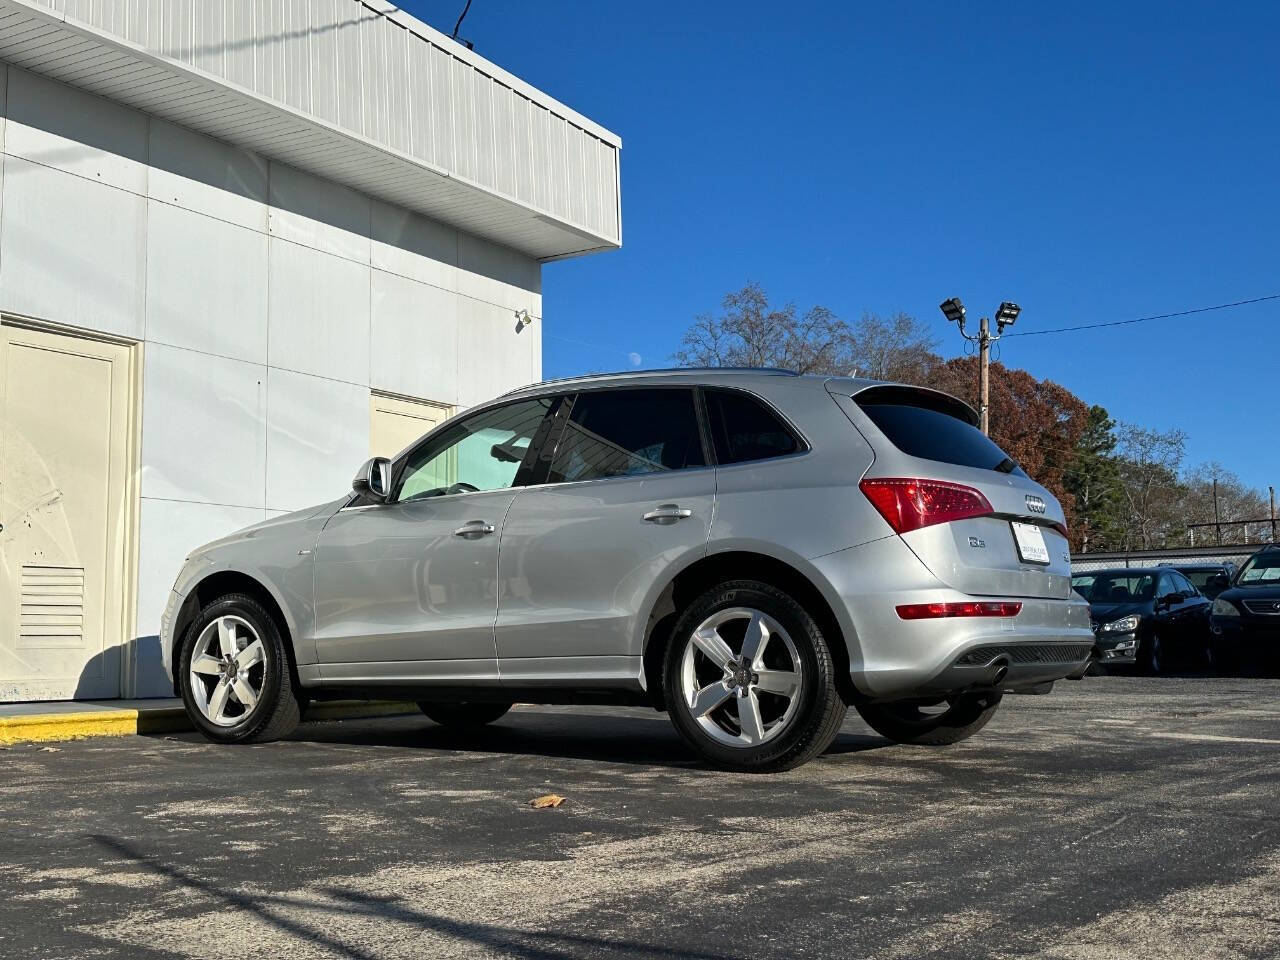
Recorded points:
(745, 377)
(728, 375)
(1134, 570)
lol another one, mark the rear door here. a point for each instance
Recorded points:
(626, 496)
(1018, 549)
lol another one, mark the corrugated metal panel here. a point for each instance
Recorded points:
(405, 96)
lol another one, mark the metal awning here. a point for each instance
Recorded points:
(353, 91)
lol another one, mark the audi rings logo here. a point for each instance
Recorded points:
(1035, 504)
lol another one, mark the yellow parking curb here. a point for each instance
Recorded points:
(76, 725)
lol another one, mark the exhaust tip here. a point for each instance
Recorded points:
(1002, 670)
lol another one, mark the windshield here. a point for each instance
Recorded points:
(1116, 587)
(1260, 569)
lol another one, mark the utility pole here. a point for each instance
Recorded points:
(1272, 491)
(1217, 520)
(1007, 313)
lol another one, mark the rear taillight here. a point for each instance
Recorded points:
(964, 608)
(909, 504)
(1060, 527)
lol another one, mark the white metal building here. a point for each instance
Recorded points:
(244, 245)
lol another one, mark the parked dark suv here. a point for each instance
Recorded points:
(1152, 617)
(1209, 578)
(1245, 623)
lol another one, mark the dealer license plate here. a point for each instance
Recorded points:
(1030, 541)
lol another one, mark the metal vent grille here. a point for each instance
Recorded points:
(1263, 608)
(1026, 653)
(51, 607)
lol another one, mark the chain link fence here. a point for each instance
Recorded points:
(1235, 553)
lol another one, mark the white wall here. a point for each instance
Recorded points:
(269, 303)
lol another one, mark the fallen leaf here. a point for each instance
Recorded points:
(50, 749)
(547, 800)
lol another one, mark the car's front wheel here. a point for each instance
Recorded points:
(749, 680)
(469, 714)
(931, 724)
(233, 673)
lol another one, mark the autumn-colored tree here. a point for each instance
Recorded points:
(1036, 422)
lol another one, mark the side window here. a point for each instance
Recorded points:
(481, 452)
(622, 433)
(1183, 585)
(743, 428)
(1164, 586)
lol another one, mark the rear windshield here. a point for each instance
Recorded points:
(1200, 578)
(1117, 588)
(935, 435)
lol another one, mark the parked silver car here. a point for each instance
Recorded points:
(749, 550)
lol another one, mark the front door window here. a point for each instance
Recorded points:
(481, 452)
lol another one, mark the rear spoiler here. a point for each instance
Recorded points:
(865, 392)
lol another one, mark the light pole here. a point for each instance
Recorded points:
(1006, 315)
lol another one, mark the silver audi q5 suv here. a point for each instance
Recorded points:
(750, 550)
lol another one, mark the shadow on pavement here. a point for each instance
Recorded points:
(274, 910)
(603, 738)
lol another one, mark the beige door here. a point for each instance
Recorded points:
(396, 422)
(65, 426)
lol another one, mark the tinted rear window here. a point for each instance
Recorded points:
(934, 435)
(743, 429)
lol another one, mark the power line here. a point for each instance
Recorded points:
(1158, 316)
(458, 26)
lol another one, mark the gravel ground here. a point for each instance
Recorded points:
(1117, 817)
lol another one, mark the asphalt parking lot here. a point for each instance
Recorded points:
(1118, 817)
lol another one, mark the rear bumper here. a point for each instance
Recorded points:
(891, 658)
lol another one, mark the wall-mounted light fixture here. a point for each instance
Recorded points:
(523, 319)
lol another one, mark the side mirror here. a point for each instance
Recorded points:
(374, 479)
(1220, 581)
(1169, 599)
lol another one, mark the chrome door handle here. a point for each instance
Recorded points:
(474, 528)
(667, 513)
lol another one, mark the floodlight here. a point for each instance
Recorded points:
(953, 310)
(1007, 314)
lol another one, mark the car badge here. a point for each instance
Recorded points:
(1035, 504)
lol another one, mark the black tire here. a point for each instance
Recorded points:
(276, 712)
(1154, 654)
(906, 723)
(469, 714)
(818, 712)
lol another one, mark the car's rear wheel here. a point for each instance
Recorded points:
(234, 673)
(933, 724)
(749, 680)
(469, 714)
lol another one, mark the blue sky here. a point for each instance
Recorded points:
(1092, 162)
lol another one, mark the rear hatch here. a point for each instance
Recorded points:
(971, 515)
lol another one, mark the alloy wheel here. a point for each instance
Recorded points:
(741, 677)
(228, 670)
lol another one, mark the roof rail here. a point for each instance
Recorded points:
(631, 374)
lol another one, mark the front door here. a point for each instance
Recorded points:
(65, 415)
(626, 501)
(407, 590)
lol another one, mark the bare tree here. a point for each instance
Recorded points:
(898, 348)
(1148, 483)
(1236, 501)
(749, 332)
